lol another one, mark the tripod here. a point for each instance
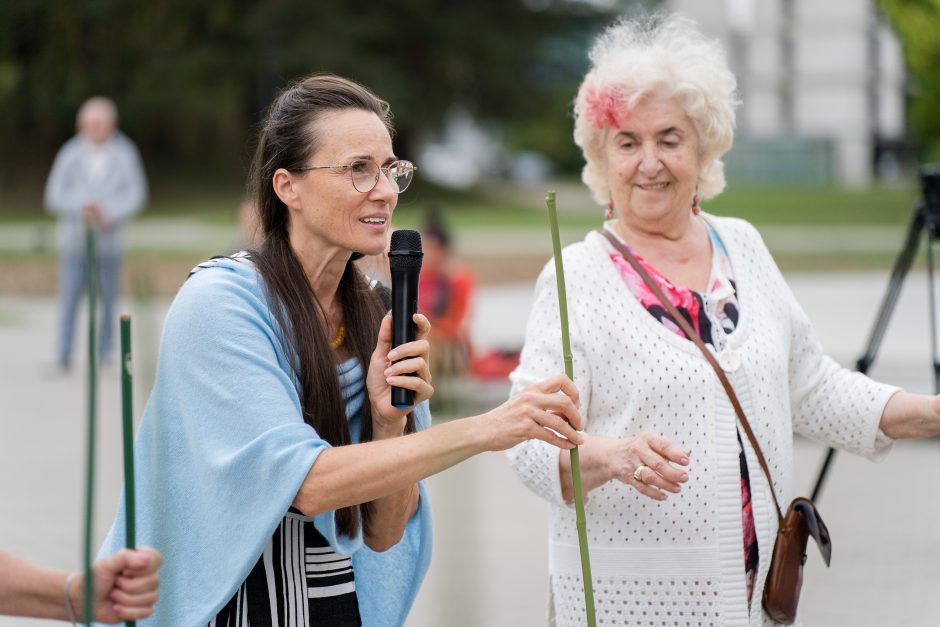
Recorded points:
(926, 220)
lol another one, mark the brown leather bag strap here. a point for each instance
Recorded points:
(709, 356)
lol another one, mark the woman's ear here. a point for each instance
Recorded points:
(283, 183)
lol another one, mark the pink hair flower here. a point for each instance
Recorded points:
(602, 106)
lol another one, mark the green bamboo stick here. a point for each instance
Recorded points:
(575, 458)
(91, 286)
(127, 406)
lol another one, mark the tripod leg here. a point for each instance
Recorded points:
(933, 310)
(901, 267)
(830, 454)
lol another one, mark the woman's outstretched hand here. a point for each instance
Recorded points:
(393, 367)
(546, 411)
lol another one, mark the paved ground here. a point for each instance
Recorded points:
(489, 566)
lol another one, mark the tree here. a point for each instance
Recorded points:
(192, 77)
(917, 23)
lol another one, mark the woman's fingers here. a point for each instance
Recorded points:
(424, 326)
(139, 599)
(411, 374)
(669, 450)
(538, 412)
(562, 416)
(132, 613)
(653, 473)
(646, 476)
(422, 389)
(560, 425)
(384, 340)
(546, 435)
(144, 561)
(670, 475)
(138, 585)
(413, 365)
(559, 383)
(553, 411)
(565, 403)
(648, 490)
(418, 348)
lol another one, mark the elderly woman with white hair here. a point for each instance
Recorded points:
(680, 516)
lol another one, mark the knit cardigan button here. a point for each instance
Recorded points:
(729, 360)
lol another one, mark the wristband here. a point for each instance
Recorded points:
(68, 597)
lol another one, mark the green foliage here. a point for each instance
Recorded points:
(192, 77)
(917, 23)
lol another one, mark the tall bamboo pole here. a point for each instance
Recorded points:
(127, 407)
(91, 285)
(575, 458)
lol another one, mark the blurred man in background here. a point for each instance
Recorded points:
(98, 179)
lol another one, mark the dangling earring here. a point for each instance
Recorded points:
(610, 210)
(695, 208)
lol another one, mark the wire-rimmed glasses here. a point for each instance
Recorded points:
(364, 173)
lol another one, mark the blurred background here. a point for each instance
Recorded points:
(840, 106)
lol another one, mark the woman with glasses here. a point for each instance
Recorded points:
(275, 476)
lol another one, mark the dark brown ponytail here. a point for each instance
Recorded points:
(287, 140)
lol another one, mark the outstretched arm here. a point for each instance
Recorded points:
(358, 473)
(125, 587)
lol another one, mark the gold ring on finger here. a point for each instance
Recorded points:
(636, 473)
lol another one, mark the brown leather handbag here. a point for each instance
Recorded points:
(785, 577)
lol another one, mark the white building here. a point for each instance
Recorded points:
(821, 85)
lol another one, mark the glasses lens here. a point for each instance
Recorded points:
(400, 174)
(364, 174)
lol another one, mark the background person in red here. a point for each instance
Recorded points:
(445, 294)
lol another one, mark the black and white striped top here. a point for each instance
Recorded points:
(299, 581)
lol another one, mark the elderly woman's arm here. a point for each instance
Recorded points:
(909, 415)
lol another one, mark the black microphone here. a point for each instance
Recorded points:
(404, 259)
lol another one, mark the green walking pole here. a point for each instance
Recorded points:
(127, 407)
(91, 286)
(575, 459)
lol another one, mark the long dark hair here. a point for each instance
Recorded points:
(288, 138)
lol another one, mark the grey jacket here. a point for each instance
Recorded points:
(119, 186)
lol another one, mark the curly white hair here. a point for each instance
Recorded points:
(662, 55)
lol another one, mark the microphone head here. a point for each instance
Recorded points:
(405, 250)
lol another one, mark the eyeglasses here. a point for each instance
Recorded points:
(364, 173)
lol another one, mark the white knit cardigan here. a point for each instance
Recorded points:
(681, 561)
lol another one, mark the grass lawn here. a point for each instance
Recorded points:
(503, 207)
(761, 205)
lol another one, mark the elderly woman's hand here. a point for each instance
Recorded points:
(647, 462)
(644, 462)
(546, 411)
(393, 367)
(908, 415)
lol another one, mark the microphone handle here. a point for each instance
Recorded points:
(404, 307)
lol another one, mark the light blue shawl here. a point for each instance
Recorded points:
(223, 449)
